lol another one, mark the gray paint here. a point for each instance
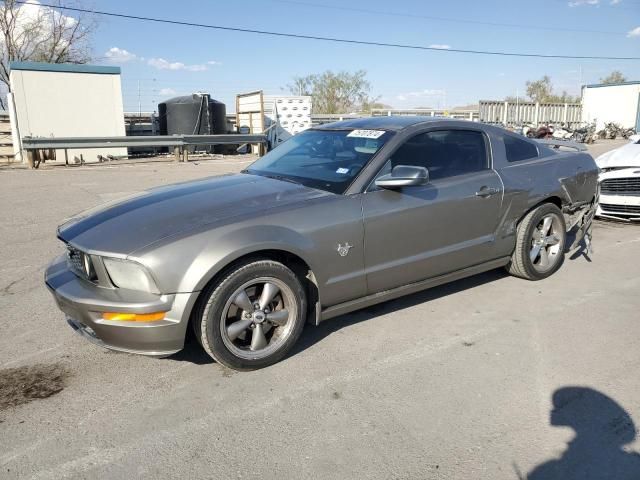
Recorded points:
(402, 240)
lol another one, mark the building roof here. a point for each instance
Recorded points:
(64, 67)
(597, 85)
(385, 122)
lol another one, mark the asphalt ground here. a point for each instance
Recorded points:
(451, 383)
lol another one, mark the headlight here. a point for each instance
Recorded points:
(129, 275)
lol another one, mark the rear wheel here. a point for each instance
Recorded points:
(253, 316)
(540, 243)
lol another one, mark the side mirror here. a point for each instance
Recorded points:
(404, 176)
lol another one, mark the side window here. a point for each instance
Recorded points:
(445, 153)
(519, 149)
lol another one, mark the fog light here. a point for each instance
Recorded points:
(133, 317)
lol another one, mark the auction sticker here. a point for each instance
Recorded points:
(366, 133)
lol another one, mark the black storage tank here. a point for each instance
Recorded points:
(196, 114)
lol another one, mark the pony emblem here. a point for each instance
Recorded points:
(343, 250)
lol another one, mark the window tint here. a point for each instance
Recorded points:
(445, 153)
(519, 149)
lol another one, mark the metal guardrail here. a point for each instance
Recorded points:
(69, 143)
(34, 146)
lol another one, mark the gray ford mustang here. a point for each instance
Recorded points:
(337, 218)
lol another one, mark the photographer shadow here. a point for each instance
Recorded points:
(602, 429)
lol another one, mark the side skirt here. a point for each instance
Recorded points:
(397, 292)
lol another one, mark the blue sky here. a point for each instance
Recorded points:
(169, 60)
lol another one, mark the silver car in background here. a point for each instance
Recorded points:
(338, 218)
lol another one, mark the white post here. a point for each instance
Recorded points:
(505, 114)
(536, 113)
(15, 130)
(566, 112)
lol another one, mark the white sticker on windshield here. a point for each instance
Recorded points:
(342, 170)
(366, 133)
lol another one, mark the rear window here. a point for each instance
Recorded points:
(519, 149)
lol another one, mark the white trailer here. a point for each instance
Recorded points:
(619, 103)
(65, 100)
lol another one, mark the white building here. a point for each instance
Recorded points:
(619, 103)
(65, 100)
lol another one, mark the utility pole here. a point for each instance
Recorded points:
(139, 104)
(580, 79)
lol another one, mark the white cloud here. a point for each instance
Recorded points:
(615, 2)
(579, 3)
(420, 94)
(119, 55)
(440, 46)
(213, 62)
(167, 91)
(634, 33)
(162, 64)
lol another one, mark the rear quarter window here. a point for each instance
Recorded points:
(517, 149)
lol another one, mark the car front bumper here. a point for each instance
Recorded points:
(84, 303)
(621, 207)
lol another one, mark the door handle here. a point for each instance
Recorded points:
(485, 192)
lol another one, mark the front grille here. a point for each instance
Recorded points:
(621, 186)
(627, 209)
(80, 263)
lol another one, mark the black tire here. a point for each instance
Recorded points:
(208, 319)
(521, 264)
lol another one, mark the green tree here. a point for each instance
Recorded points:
(542, 91)
(374, 105)
(341, 92)
(614, 77)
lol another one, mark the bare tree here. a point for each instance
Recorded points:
(32, 32)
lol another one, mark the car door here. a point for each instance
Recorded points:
(450, 223)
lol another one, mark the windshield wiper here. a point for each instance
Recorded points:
(281, 177)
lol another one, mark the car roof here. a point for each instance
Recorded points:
(395, 123)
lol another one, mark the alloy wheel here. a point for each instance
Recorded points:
(546, 243)
(258, 318)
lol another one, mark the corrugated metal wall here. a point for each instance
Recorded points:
(511, 113)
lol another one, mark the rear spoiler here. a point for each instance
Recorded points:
(562, 143)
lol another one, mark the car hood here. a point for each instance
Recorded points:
(128, 225)
(625, 156)
(629, 172)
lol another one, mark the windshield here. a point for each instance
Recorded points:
(323, 159)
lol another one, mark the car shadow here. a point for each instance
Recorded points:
(194, 353)
(597, 451)
(311, 336)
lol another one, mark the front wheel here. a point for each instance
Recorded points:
(253, 316)
(540, 243)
